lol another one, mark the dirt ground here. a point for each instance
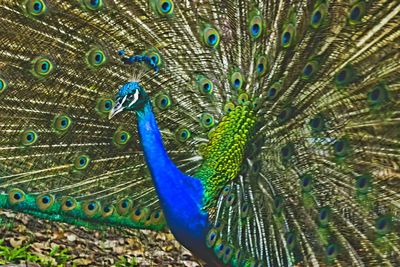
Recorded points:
(65, 245)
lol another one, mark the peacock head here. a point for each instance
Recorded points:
(130, 97)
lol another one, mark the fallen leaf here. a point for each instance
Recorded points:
(81, 261)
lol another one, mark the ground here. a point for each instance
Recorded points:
(42, 243)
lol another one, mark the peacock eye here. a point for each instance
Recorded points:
(383, 225)
(378, 96)
(68, 204)
(96, 58)
(317, 124)
(357, 12)
(42, 67)
(121, 137)
(220, 250)
(182, 134)
(324, 216)
(108, 211)
(207, 120)
(93, 5)
(44, 201)
(163, 101)
(91, 208)
(285, 115)
(81, 162)
(255, 25)
(3, 85)
(165, 7)
(228, 107)
(29, 137)
(310, 69)
(16, 196)
(62, 123)
(288, 35)
(108, 105)
(36, 8)
(245, 210)
(210, 37)
(341, 148)
(306, 182)
(273, 91)
(124, 207)
(318, 15)
(237, 258)
(230, 199)
(243, 98)
(104, 105)
(205, 85)
(261, 66)
(331, 250)
(256, 103)
(363, 184)
(345, 76)
(291, 240)
(236, 80)
(155, 57)
(211, 238)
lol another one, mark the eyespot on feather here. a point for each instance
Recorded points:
(124, 207)
(3, 85)
(236, 80)
(42, 67)
(107, 211)
(45, 201)
(28, 137)
(207, 120)
(255, 24)
(104, 106)
(182, 134)
(81, 162)
(163, 101)
(210, 36)
(35, 8)
(93, 5)
(61, 123)
(68, 204)
(288, 36)
(91, 208)
(96, 58)
(163, 8)
(121, 137)
(16, 196)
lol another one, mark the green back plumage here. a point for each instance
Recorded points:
(316, 181)
(224, 153)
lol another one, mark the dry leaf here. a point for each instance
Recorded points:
(82, 262)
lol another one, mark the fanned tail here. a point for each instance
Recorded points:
(318, 183)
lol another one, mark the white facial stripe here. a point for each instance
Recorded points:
(119, 106)
(135, 98)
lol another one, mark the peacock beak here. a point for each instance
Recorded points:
(119, 106)
(121, 103)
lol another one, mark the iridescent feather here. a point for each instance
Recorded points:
(286, 113)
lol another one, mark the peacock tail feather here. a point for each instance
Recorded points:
(287, 112)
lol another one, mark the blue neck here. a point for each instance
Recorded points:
(180, 195)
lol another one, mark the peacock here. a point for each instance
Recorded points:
(261, 133)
